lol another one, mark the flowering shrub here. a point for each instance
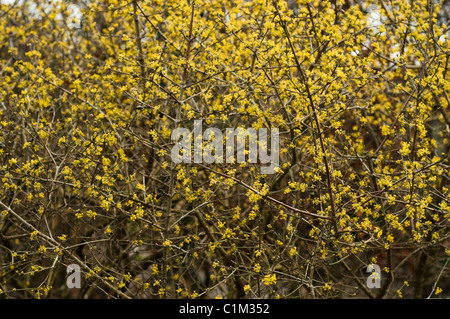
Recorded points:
(90, 92)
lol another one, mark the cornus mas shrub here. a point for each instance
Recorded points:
(90, 92)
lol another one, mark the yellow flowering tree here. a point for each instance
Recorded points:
(91, 91)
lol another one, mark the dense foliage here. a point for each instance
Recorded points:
(90, 92)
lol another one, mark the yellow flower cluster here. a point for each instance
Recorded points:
(90, 96)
